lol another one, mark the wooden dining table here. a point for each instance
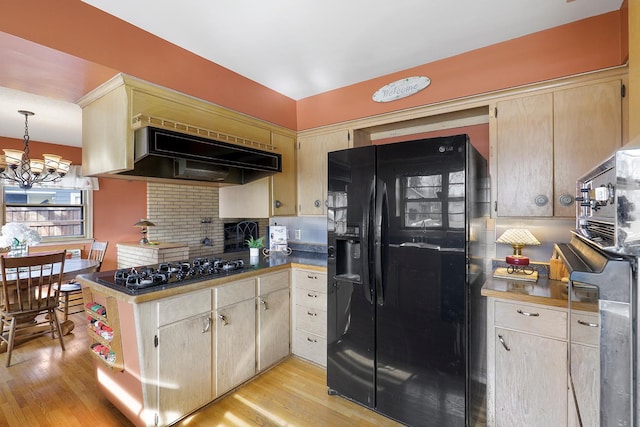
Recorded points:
(72, 268)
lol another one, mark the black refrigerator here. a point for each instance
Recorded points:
(406, 328)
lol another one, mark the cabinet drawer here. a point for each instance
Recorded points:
(311, 320)
(235, 292)
(310, 346)
(531, 319)
(273, 282)
(181, 307)
(585, 328)
(311, 299)
(311, 280)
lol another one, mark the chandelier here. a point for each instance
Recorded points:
(19, 168)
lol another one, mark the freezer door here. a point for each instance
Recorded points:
(350, 308)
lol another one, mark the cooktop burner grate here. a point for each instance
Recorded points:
(136, 279)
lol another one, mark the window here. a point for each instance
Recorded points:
(55, 213)
(434, 201)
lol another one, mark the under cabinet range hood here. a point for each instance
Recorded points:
(161, 153)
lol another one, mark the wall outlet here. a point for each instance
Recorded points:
(298, 233)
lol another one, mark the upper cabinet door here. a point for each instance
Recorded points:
(312, 169)
(525, 156)
(283, 184)
(587, 130)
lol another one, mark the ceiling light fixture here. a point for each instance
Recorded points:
(16, 165)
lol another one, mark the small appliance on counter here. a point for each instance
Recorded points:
(277, 240)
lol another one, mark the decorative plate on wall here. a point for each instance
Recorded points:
(401, 88)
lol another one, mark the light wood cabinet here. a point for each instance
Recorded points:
(263, 198)
(526, 365)
(273, 319)
(525, 156)
(113, 111)
(585, 369)
(235, 334)
(544, 142)
(312, 169)
(283, 185)
(184, 383)
(310, 315)
(186, 380)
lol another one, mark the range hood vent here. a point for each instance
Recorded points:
(161, 153)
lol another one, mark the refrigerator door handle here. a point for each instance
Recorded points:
(369, 244)
(382, 225)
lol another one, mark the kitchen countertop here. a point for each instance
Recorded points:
(253, 267)
(544, 291)
(156, 246)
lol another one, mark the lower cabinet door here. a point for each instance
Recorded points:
(184, 367)
(530, 380)
(235, 345)
(585, 370)
(273, 327)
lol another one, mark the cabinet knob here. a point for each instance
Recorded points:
(264, 303)
(277, 203)
(566, 199)
(317, 203)
(222, 317)
(541, 200)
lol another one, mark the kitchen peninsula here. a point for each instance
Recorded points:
(171, 349)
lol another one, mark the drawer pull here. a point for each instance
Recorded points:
(592, 325)
(207, 325)
(526, 313)
(311, 313)
(312, 295)
(222, 317)
(504, 344)
(312, 277)
(311, 340)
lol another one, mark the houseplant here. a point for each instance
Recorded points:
(255, 245)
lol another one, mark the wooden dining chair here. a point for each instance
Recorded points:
(71, 292)
(28, 291)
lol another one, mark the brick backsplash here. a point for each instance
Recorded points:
(178, 211)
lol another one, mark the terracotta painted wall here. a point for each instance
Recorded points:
(76, 28)
(116, 206)
(587, 45)
(81, 30)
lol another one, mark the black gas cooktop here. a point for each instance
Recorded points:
(138, 280)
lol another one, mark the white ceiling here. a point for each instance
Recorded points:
(301, 47)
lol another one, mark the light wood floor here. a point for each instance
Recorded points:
(48, 387)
